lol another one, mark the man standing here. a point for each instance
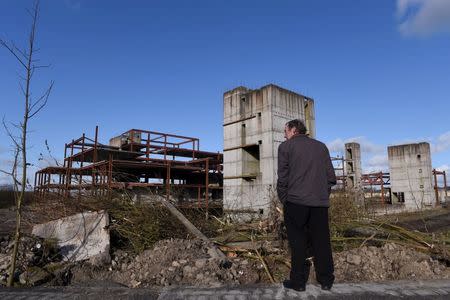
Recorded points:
(305, 178)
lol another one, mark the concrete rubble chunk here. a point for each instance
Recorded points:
(34, 276)
(83, 236)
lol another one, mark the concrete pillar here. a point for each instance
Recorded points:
(411, 175)
(253, 126)
(353, 170)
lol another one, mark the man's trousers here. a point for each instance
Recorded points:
(303, 222)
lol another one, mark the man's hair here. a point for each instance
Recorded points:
(298, 125)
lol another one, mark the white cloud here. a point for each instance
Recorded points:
(336, 145)
(367, 146)
(378, 160)
(423, 17)
(377, 163)
(445, 168)
(442, 143)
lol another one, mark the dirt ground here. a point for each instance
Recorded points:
(438, 222)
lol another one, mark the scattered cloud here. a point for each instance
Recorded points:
(336, 145)
(376, 163)
(367, 146)
(445, 168)
(378, 160)
(442, 143)
(373, 156)
(423, 17)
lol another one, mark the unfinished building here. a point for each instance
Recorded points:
(253, 129)
(411, 175)
(353, 168)
(141, 161)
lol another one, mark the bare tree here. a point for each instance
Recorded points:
(32, 106)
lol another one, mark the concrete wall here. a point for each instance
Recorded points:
(411, 174)
(353, 168)
(254, 123)
(79, 237)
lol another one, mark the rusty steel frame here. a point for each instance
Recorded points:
(99, 162)
(378, 178)
(341, 179)
(436, 187)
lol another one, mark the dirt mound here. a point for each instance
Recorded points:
(172, 262)
(390, 262)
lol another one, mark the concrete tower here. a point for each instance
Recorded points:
(353, 165)
(411, 175)
(253, 126)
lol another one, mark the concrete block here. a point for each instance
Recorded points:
(80, 237)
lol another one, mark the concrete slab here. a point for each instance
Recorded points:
(80, 237)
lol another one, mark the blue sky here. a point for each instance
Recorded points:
(378, 70)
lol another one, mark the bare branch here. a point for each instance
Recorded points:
(16, 182)
(8, 132)
(24, 54)
(50, 153)
(13, 52)
(13, 172)
(41, 66)
(41, 102)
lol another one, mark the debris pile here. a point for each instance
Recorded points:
(389, 262)
(174, 262)
(186, 262)
(34, 253)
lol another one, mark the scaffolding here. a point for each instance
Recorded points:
(165, 164)
(380, 179)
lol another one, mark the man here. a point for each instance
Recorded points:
(305, 178)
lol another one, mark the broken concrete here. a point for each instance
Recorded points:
(35, 276)
(80, 237)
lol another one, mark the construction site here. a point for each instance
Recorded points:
(152, 209)
(242, 178)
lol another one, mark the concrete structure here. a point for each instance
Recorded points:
(411, 175)
(353, 168)
(444, 197)
(80, 237)
(253, 126)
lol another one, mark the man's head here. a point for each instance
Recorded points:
(294, 127)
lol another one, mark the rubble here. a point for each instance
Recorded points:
(34, 253)
(186, 262)
(390, 262)
(173, 262)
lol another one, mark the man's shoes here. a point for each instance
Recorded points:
(297, 287)
(326, 287)
(307, 269)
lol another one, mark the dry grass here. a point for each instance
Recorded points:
(134, 226)
(7, 199)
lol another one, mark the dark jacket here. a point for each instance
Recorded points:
(305, 172)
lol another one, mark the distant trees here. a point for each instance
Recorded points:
(18, 132)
